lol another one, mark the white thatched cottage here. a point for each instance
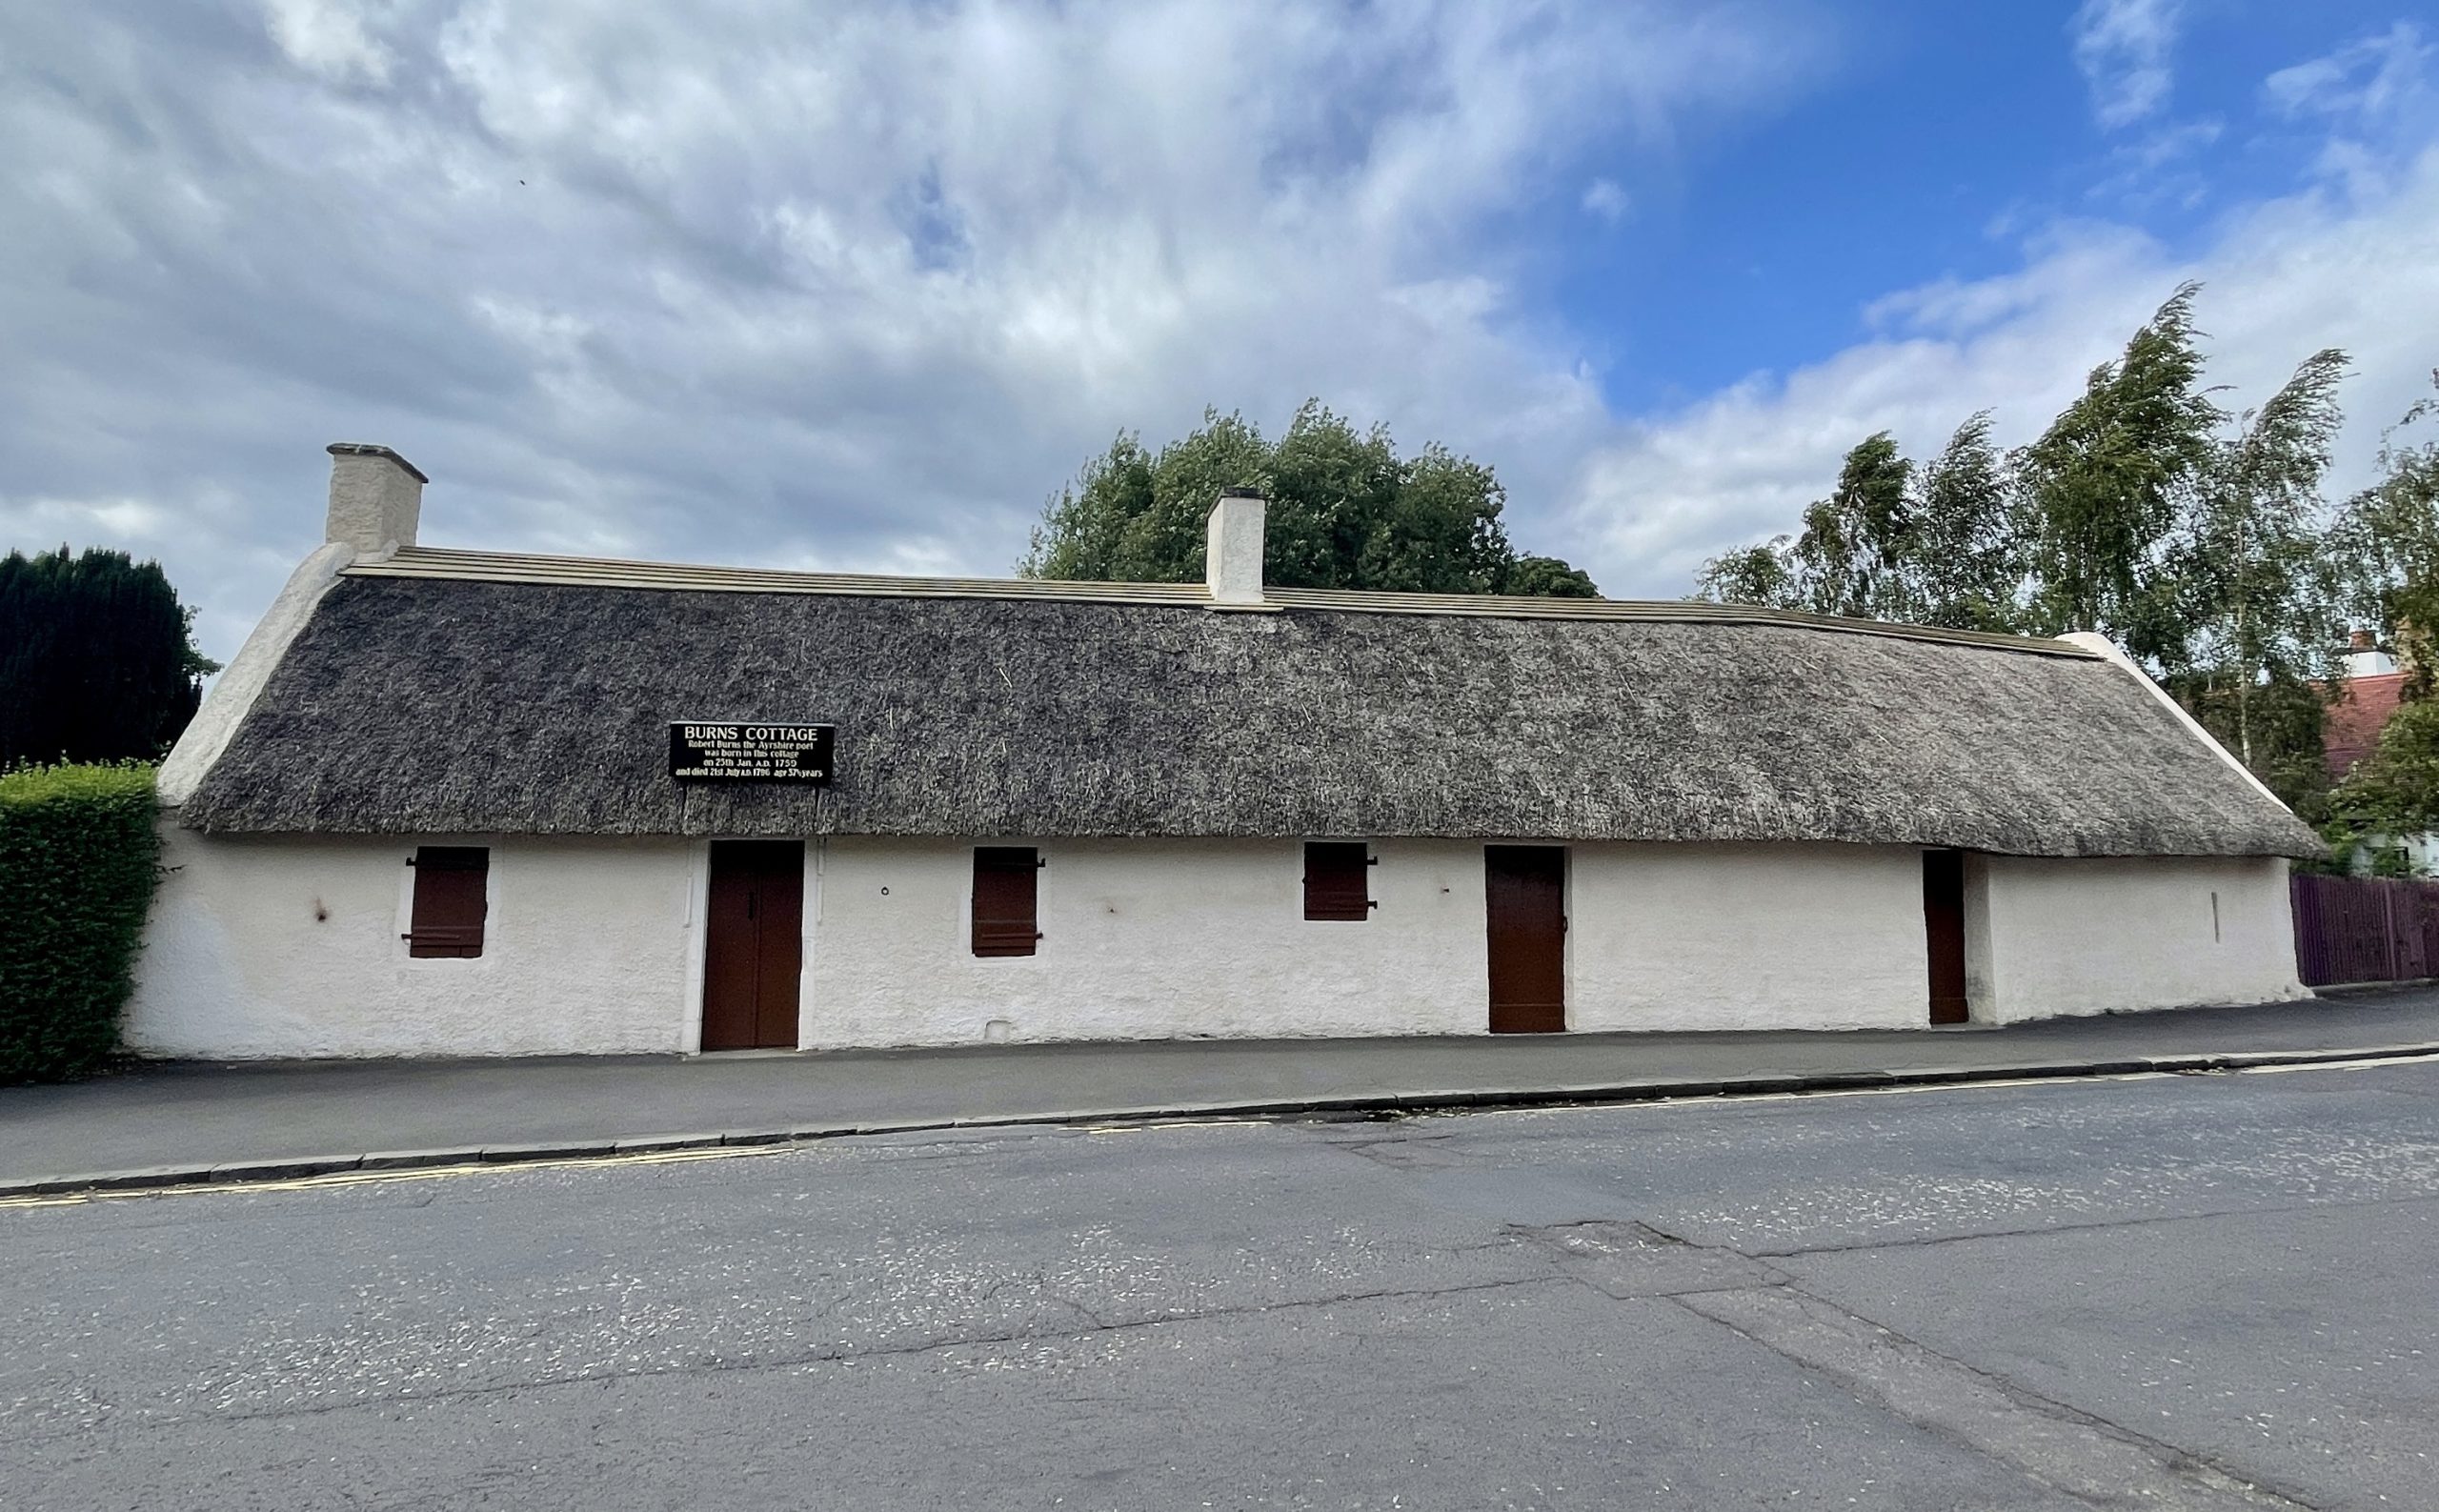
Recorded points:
(450, 801)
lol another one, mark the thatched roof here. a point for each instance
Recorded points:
(422, 698)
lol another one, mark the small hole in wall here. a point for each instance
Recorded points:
(885, 892)
(998, 1031)
(321, 912)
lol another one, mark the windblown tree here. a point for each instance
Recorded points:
(2252, 636)
(1935, 544)
(1856, 543)
(97, 658)
(2200, 541)
(1967, 567)
(2388, 543)
(1762, 574)
(2106, 486)
(1345, 510)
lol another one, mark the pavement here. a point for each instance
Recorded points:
(2175, 1292)
(165, 1123)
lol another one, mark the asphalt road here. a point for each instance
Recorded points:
(2207, 1292)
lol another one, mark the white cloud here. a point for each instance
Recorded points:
(2123, 48)
(1604, 198)
(327, 38)
(758, 284)
(125, 521)
(2331, 265)
(2374, 76)
(860, 291)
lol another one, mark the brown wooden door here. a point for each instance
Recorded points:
(754, 944)
(1525, 888)
(1943, 923)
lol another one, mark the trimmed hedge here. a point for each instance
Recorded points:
(78, 857)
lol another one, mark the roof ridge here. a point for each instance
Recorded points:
(525, 567)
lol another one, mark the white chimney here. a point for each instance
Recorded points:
(1232, 552)
(376, 497)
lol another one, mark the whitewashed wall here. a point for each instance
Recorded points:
(1746, 937)
(291, 947)
(262, 946)
(1143, 940)
(2083, 936)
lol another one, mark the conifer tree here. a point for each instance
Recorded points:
(97, 659)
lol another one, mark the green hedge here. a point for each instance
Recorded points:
(78, 858)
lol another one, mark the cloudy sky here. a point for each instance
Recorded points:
(858, 285)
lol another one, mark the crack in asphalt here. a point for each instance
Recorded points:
(2071, 1450)
(2074, 1451)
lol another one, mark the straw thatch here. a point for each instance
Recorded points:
(431, 706)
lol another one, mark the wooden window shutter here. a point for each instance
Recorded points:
(1005, 895)
(447, 919)
(1338, 881)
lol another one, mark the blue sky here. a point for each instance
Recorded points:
(1927, 134)
(857, 285)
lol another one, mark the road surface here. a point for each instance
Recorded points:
(2209, 1292)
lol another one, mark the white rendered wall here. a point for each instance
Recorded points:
(1145, 940)
(288, 946)
(2095, 936)
(1746, 937)
(264, 946)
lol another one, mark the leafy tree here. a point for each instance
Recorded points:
(2257, 600)
(1856, 543)
(2393, 791)
(1967, 565)
(1345, 510)
(2388, 542)
(2206, 548)
(2105, 484)
(1765, 574)
(97, 658)
(1546, 577)
(1935, 544)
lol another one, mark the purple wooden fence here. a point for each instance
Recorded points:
(2363, 929)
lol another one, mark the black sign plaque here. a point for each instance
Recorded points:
(727, 751)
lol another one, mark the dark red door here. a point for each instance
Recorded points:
(754, 944)
(1944, 924)
(1525, 886)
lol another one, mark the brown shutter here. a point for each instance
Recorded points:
(1338, 882)
(448, 920)
(1004, 897)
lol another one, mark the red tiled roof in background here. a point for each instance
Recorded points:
(2354, 723)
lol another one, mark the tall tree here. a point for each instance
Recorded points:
(1935, 544)
(1345, 510)
(1967, 569)
(2387, 537)
(2257, 600)
(2207, 550)
(1852, 555)
(97, 658)
(2107, 482)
